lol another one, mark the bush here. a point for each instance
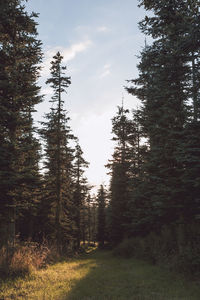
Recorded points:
(188, 261)
(24, 259)
(126, 248)
(173, 248)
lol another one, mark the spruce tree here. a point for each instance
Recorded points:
(120, 171)
(101, 229)
(80, 191)
(138, 149)
(88, 217)
(167, 82)
(30, 191)
(58, 159)
(161, 87)
(20, 54)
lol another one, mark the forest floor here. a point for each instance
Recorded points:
(97, 276)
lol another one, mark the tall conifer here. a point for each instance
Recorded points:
(168, 80)
(20, 53)
(59, 157)
(120, 168)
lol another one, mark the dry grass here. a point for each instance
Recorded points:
(26, 258)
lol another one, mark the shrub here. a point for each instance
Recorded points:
(126, 248)
(173, 248)
(24, 259)
(188, 261)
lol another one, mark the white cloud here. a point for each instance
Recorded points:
(107, 66)
(85, 29)
(102, 29)
(106, 71)
(72, 51)
(68, 54)
(105, 74)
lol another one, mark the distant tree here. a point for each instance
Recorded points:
(80, 190)
(20, 54)
(93, 214)
(91, 211)
(101, 229)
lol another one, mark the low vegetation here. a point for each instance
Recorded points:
(26, 258)
(171, 249)
(100, 275)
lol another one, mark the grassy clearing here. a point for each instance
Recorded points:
(98, 276)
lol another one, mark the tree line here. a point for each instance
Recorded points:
(154, 191)
(44, 192)
(155, 187)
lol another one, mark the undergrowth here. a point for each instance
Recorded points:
(25, 258)
(172, 248)
(101, 276)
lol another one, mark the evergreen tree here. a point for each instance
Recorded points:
(162, 81)
(138, 152)
(167, 81)
(101, 229)
(189, 157)
(20, 53)
(31, 192)
(59, 157)
(93, 218)
(120, 174)
(88, 203)
(80, 191)
(91, 204)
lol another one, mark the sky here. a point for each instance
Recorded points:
(100, 41)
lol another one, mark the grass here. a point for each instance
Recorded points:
(97, 276)
(25, 258)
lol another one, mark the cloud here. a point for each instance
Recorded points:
(106, 71)
(67, 53)
(102, 29)
(85, 29)
(105, 74)
(72, 51)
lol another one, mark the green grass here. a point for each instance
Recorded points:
(98, 276)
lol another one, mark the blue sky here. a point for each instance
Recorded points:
(99, 40)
